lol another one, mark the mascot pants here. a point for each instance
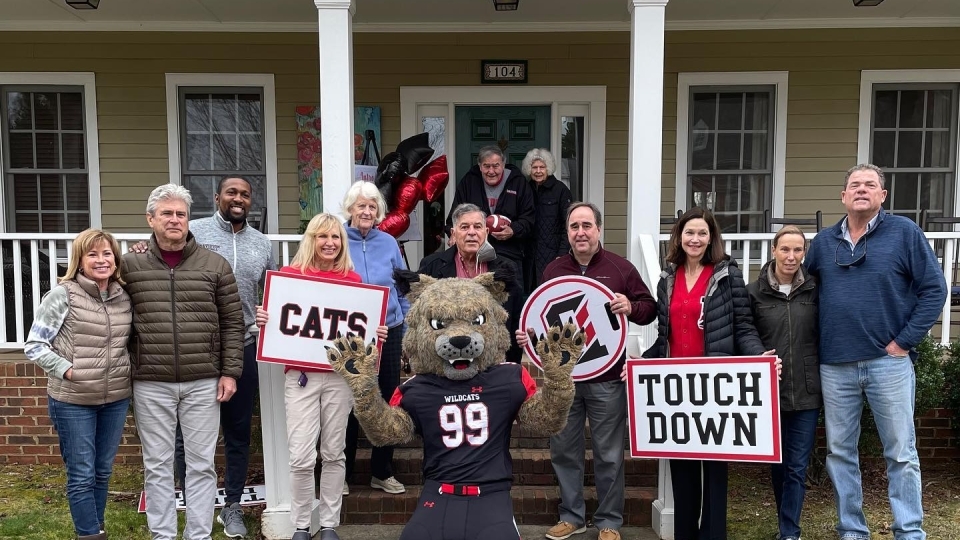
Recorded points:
(461, 512)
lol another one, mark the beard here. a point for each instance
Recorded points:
(229, 216)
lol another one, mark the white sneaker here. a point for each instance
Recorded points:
(390, 485)
(346, 488)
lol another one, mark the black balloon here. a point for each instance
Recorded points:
(415, 151)
(390, 168)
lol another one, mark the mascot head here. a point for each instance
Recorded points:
(456, 328)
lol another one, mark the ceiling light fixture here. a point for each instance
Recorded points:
(866, 3)
(506, 5)
(83, 4)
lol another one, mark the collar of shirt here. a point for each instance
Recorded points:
(846, 230)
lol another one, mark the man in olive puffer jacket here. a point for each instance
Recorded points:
(187, 357)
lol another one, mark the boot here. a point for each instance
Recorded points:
(98, 536)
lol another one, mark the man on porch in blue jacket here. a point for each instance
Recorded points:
(881, 290)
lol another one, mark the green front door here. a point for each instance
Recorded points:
(516, 130)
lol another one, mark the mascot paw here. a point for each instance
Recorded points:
(355, 361)
(559, 350)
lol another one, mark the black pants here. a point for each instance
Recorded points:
(699, 486)
(235, 416)
(381, 458)
(463, 517)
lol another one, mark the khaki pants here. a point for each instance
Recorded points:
(319, 409)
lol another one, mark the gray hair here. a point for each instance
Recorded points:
(596, 212)
(167, 192)
(488, 151)
(464, 209)
(367, 190)
(538, 154)
(864, 167)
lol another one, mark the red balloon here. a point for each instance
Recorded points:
(395, 224)
(407, 194)
(434, 178)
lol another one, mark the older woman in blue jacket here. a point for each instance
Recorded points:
(375, 256)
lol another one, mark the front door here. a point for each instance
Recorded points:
(515, 129)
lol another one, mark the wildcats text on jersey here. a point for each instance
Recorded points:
(462, 397)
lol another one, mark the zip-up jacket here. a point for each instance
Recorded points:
(549, 239)
(375, 257)
(249, 253)
(789, 324)
(188, 319)
(618, 275)
(77, 327)
(515, 202)
(727, 322)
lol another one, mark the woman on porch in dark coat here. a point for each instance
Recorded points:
(784, 304)
(552, 199)
(703, 310)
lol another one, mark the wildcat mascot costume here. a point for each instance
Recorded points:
(462, 401)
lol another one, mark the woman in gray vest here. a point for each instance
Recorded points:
(79, 338)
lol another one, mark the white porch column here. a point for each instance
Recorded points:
(336, 111)
(645, 151)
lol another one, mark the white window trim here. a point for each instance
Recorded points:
(779, 80)
(88, 81)
(868, 78)
(563, 100)
(259, 80)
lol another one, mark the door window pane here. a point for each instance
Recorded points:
(572, 158)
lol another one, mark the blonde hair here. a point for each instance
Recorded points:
(789, 229)
(82, 244)
(307, 252)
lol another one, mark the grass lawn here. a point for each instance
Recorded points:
(33, 505)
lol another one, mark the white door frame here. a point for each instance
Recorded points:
(587, 101)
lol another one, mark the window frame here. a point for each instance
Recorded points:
(906, 77)
(736, 81)
(86, 82)
(265, 84)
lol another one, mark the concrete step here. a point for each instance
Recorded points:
(532, 505)
(531, 467)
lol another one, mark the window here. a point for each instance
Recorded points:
(46, 176)
(913, 137)
(222, 133)
(730, 150)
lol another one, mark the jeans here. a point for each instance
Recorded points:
(89, 438)
(798, 434)
(888, 383)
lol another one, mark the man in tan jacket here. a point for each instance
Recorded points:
(187, 357)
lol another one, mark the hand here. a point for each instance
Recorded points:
(894, 350)
(139, 247)
(778, 362)
(620, 304)
(262, 317)
(523, 338)
(505, 234)
(623, 373)
(226, 388)
(382, 333)
(68, 374)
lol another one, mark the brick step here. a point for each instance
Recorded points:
(531, 505)
(531, 467)
(520, 437)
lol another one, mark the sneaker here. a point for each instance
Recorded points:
(300, 535)
(231, 517)
(346, 489)
(609, 534)
(563, 530)
(390, 485)
(329, 534)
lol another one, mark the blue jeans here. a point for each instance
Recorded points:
(798, 433)
(89, 438)
(888, 383)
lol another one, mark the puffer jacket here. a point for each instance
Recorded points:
(94, 338)
(188, 319)
(789, 323)
(727, 322)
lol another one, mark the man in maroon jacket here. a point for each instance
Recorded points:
(603, 399)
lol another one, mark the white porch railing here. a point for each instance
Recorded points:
(31, 264)
(752, 251)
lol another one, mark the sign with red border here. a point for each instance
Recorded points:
(306, 313)
(717, 408)
(587, 302)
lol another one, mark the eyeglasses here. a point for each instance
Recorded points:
(854, 259)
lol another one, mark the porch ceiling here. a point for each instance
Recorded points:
(467, 15)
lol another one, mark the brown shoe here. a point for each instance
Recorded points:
(563, 530)
(609, 534)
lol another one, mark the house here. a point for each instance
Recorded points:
(652, 106)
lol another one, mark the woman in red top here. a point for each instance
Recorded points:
(318, 402)
(703, 310)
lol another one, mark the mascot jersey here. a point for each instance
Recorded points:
(465, 425)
